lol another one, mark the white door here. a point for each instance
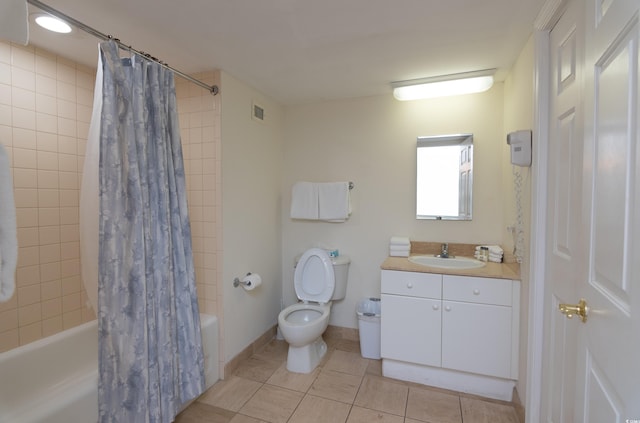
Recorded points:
(592, 369)
(411, 329)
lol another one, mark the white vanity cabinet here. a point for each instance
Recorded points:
(454, 332)
(477, 326)
(412, 327)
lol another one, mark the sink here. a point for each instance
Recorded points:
(447, 263)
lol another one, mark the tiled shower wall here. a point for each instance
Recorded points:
(45, 110)
(199, 113)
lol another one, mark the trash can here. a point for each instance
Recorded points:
(368, 312)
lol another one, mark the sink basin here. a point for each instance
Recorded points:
(447, 263)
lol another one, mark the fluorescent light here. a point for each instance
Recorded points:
(442, 86)
(53, 24)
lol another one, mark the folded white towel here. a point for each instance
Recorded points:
(398, 253)
(399, 240)
(495, 249)
(334, 203)
(304, 201)
(14, 23)
(400, 247)
(496, 258)
(8, 230)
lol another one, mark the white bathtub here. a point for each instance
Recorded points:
(55, 379)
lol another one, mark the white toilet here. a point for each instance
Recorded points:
(318, 279)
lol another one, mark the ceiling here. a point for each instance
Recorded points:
(303, 51)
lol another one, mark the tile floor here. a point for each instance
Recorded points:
(344, 388)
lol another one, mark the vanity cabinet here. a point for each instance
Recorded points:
(455, 332)
(477, 325)
(412, 325)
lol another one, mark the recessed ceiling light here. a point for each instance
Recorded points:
(53, 24)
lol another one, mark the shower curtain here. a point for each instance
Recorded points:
(150, 349)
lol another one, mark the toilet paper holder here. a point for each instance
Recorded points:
(237, 281)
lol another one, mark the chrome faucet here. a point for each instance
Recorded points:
(444, 251)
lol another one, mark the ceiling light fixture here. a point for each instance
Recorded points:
(52, 23)
(442, 86)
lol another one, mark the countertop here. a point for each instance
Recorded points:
(490, 270)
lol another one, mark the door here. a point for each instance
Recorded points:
(591, 369)
(411, 329)
(476, 338)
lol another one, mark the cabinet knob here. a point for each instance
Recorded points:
(435, 307)
(409, 285)
(447, 308)
(476, 292)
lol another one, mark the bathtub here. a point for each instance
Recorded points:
(55, 379)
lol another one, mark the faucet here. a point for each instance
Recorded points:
(444, 251)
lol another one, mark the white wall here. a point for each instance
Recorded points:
(518, 114)
(372, 142)
(251, 213)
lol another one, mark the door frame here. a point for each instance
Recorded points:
(544, 23)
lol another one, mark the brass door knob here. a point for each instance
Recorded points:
(579, 309)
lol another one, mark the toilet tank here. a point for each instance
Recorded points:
(341, 271)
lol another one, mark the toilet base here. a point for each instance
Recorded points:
(305, 359)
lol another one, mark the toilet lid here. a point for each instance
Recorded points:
(314, 279)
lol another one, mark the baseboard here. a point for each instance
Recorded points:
(260, 342)
(340, 333)
(518, 406)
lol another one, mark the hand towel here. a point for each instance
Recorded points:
(14, 24)
(398, 253)
(304, 201)
(399, 247)
(8, 230)
(334, 203)
(399, 240)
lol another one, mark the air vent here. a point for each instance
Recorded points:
(257, 112)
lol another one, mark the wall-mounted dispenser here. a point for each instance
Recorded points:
(520, 142)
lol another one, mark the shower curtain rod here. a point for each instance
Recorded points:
(213, 89)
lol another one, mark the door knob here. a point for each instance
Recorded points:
(570, 309)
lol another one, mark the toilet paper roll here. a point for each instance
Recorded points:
(251, 281)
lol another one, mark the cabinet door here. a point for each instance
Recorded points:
(411, 329)
(476, 338)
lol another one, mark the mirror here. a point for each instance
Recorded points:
(444, 177)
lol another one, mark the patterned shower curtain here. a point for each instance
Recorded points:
(150, 349)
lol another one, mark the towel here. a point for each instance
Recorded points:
(334, 202)
(14, 23)
(494, 249)
(398, 252)
(304, 201)
(8, 230)
(400, 241)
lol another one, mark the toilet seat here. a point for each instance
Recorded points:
(314, 278)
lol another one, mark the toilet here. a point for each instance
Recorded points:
(318, 279)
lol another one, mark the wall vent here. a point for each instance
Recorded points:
(257, 112)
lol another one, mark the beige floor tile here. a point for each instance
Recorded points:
(478, 411)
(347, 362)
(272, 404)
(230, 394)
(374, 367)
(257, 368)
(314, 409)
(432, 406)
(275, 350)
(337, 386)
(204, 413)
(364, 415)
(382, 395)
(348, 345)
(294, 381)
(239, 418)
